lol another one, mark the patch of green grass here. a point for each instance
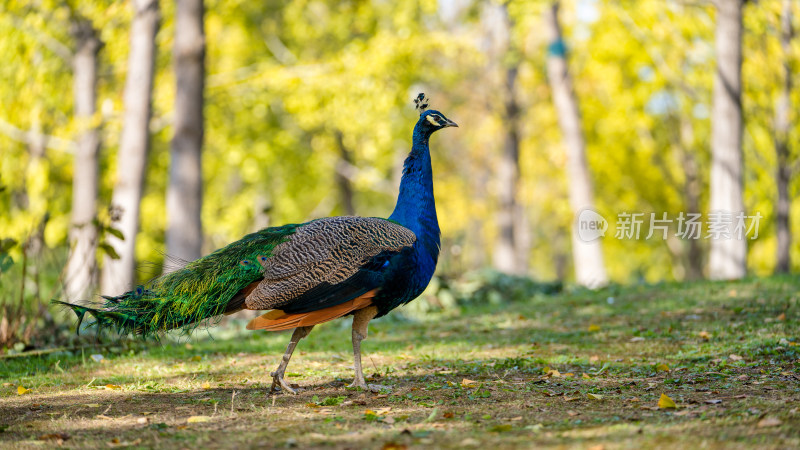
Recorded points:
(580, 368)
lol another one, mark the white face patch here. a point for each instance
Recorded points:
(433, 121)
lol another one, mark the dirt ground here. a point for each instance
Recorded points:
(701, 365)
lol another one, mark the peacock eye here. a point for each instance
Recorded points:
(244, 262)
(262, 258)
(433, 119)
(139, 290)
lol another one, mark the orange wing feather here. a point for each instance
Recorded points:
(277, 320)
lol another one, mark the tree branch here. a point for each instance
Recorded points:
(31, 137)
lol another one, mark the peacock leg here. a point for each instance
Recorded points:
(277, 376)
(361, 319)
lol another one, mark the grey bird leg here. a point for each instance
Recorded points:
(277, 376)
(360, 322)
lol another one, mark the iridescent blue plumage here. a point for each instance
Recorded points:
(415, 210)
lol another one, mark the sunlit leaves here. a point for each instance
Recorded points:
(664, 402)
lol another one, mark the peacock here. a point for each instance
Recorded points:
(304, 274)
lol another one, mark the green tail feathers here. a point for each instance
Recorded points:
(186, 297)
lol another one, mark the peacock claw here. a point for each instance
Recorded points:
(277, 380)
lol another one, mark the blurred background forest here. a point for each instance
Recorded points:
(138, 129)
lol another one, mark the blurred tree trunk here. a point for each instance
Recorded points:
(728, 259)
(185, 191)
(79, 276)
(134, 146)
(510, 250)
(587, 257)
(343, 175)
(782, 127)
(692, 188)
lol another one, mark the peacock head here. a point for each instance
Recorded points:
(430, 120)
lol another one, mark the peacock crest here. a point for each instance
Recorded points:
(421, 102)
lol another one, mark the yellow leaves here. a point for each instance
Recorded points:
(662, 368)
(112, 387)
(380, 414)
(666, 403)
(594, 396)
(704, 335)
(21, 390)
(593, 328)
(198, 419)
(468, 383)
(197, 358)
(551, 373)
(206, 385)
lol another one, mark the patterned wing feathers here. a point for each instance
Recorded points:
(328, 251)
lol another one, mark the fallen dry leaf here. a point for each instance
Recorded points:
(733, 357)
(553, 373)
(767, 422)
(594, 396)
(662, 368)
(206, 385)
(54, 437)
(704, 335)
(112, 386)
(198, 419)
(465, 382)
(593, 328)
(713, 401)
(394, 446)
(666, 403)
(21, 390)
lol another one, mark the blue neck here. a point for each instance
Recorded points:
(415, 207)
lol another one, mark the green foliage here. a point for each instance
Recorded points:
(6, 261)
(286, 78)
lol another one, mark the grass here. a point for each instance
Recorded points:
(578, 369)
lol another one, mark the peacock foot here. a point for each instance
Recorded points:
(277, 380)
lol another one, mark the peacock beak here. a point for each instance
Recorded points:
(450, 123)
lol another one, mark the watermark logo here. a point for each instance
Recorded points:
(720, 225)
(591, 226)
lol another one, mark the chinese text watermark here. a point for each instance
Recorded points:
(718, 225)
